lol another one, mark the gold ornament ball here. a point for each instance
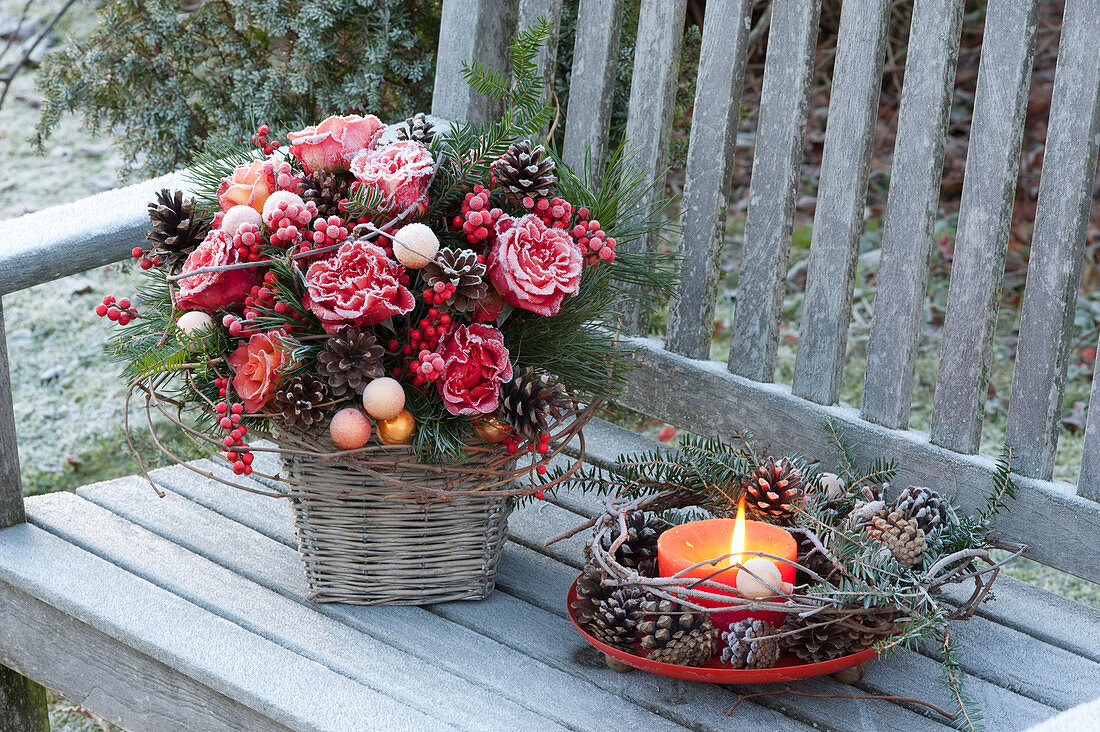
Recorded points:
(415, 245)
(194, 321)
(397, 430)
(752, 588)
(384, 398)
(349, 429)
(491, 431)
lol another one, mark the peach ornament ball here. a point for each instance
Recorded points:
(752, 588)
(349, 429)
(384, 398)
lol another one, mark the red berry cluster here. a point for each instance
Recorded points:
(146, 262)
(289, 222)
(327, 232)
(260, 140)
(439, 293)
(421, 346)
(249, 243)
(592, 240)
(121, 311)
(541, 447)
(478, 219)
(554, 212)
(236, 449)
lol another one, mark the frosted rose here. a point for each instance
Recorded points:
(475, 363)
(358, 287)
(335, 141)
(214, 290)
(400, 171)
(250, 185)
(259, 364)
(534, 267)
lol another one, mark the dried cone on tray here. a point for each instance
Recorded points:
(326, 191)
(590, 593)
(902, 536)
(827, 635)
(615, 620)
(176, 230)
(458, 267)
(529, 400)
(750, 643)
(417, 128)
(525, 172)
(773, 488)
(639, 550)
(349, 360)
(300, 401)
(672, 633)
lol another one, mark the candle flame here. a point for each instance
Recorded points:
(737, 545)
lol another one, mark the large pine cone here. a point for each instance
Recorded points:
(590, 593)
(524, 172)
(418, 129)
(326, 191)
(176, 228)
(639, 551)
(827, 635)
(300, 401)
(348, 362)
(747, 644)
(923, 505)
(529, 400)
(458, 267)
(615, 621)
(902, 536)
(773, 488)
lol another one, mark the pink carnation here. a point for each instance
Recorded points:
(534, 267)
(359, 286)
(335, 141)
(401, 171)
(214, 290)
(475, 363)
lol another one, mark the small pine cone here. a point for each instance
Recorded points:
(865, 511)
(349, 360)
(590, 593)
(326, 191)
(673, 633)
(524, 171)
(827, 635)
(810, 556)
(417, 128)
(923, 505)
(616, 618)
(458, 267)
(773, 488)
(300, 401)
(748, 645)
(176, 230)
(902, 536)
(639, 551)
(691, 648)
(527, 402)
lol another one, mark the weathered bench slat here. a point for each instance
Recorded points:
(776, 170)
(989, 186)
(592, 83)
(529, 13)
(165, 629)
(1057, 244)
(1047, 516)
(715, 119)
(649, 117)
(842, 191)
(421, 685)
(469, 31)
(911, 209)
(1088, 483)
(11, 485)
(235, 542)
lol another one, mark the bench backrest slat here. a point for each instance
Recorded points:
(989, 188)
(774, 187)
(473, 30)
(1057, 244)
(11, 487)
(715, 119)
(1088, 483)
(649, 116)
(529, 13)
(592, 82)
(911, 209)
(842, 193)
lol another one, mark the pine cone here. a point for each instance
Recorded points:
(176, 229)
(865, 511)
(828, 634)
(524, 172)
(902, 536)
(674, 634)
(773, 488)
(923, 505)
(639, 551)
(349, 360)
(616, 618)
(300, 401)
(326, 191)
(417, 128)
(746, 644)
(590, 593)
(458, 267)
(528, 400)
(810, 556)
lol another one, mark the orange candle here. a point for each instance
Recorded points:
(698, 541)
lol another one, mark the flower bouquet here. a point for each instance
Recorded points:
(405, 312)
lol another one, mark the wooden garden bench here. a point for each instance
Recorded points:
(188, 611)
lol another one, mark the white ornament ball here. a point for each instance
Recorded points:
(752, 588)
(384, 398)
(415, 245)
(194, 321)
(271, 205)
(238, 215)
(833, 484)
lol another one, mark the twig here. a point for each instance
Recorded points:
(858, 697)
(30, 49)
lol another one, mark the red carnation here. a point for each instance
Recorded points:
(400, 171)
(357, 287)
(475, 363)
(214, 290)
(534, 267)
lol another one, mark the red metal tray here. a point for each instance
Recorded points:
(789, 668)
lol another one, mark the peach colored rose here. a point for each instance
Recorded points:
(259, 364)
(214, 290)
(335, 141)
(250, 185)
(534, 267)
(400, 170)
